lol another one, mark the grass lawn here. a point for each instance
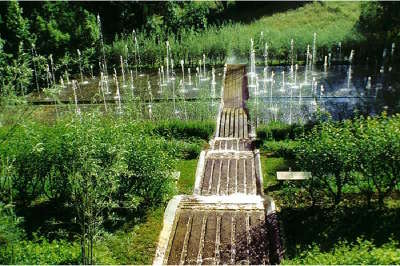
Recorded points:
(136, 245)
(186, 180)
(333, 22)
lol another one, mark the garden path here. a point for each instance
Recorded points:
(227, 220)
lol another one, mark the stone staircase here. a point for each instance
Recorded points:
(227, 220)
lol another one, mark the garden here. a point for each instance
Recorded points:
(102, 122)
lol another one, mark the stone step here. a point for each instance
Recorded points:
(218, 236)
(234, 144)
(233, 123)
(227, 174)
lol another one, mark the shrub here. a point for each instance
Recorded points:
(282, 131)
(185, 129)
(362, 154)
(344, 253)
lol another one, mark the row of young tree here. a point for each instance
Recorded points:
(360, 156)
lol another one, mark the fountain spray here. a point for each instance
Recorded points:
(151, 98)
(117, 93)
(393, 47)
(102, 47)
(314, 49)
(162, 75)
(183, 75)
(204, 66)
(160, 81)
(34, 66)
(167, 59)
(132, 85)
(74, 87)
(172, 70)
(122, 71)
(291, 54)
(52, 69)
(80, 64)
(266, 55)
(190, 77)
(102, 90)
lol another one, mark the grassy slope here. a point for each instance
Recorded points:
(187, 178)
(332, 21)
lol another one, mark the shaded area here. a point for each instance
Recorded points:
(325, 227)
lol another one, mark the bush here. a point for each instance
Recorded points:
(363, 154)
(362, 252)
(185, 129)
(281, 131)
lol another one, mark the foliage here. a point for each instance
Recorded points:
(362, 252)
(10, 233)
(94, 164)
(360, 155)
(42, 251)
(17, 28)
(185, 129)
(281, 131)
(135, 244)
(332, 22)
(62, 26)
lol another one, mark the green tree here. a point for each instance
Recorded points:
(17, 29)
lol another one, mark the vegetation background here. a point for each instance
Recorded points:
(92, 188)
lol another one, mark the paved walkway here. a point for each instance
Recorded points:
(228, 220)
